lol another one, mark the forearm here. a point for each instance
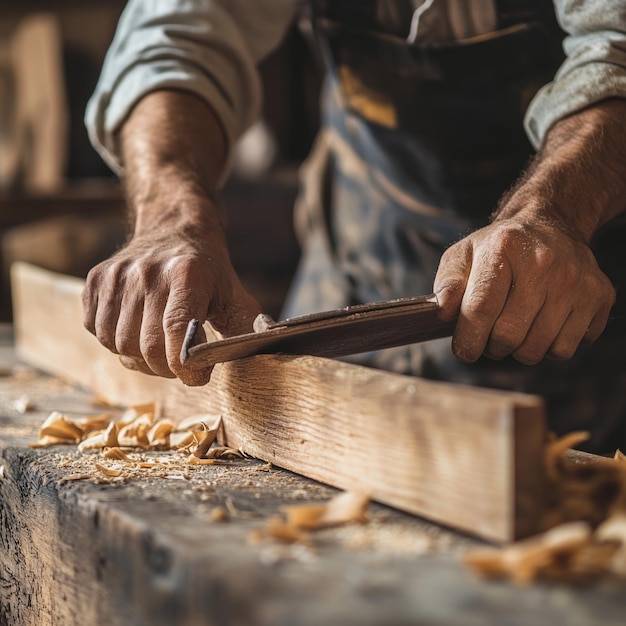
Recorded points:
(577, 182)
(176, 265)
(173, 149)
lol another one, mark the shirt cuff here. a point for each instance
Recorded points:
(105, 114)
(593, 73)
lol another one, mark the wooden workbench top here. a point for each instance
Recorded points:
(149, 551)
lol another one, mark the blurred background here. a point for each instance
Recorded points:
(60, 206)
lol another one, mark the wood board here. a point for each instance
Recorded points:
(465, 457)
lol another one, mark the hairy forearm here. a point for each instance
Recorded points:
(173, 150)
(577, 182)
(176, 265)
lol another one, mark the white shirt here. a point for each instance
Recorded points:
(212, 47)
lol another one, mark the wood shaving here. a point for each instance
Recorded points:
(77, 476)
(116, 454)
(301, 519)
(59, 426)
(279, 530)
(218, 514)
(200, 422)
(194, 460)
(135, 433)
(584, 527)
(108, 471)
(23, 404)
(159, 434)
(1, 472)
(619, 456)
(137, 430)
(107, 438)
(208, 439)
(342, 509)
(223, 452)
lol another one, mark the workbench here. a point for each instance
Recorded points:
(153, 551)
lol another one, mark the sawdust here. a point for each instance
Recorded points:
(124, 443)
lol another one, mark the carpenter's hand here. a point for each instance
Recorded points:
(139, 302)
(526, 290)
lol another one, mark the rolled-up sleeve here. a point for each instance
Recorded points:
(208, 47)
(595, 66)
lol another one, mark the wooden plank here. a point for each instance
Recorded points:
(465, 457)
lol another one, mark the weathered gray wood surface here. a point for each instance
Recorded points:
(145, 552)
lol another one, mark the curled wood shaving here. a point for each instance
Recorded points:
(200, 422)
(556, 449)
(223, 452)
(107, 438)
(94, 422)
(109, 471)
(582, 496)
(137, 429)
(182, 439)
(138, 410)
(61, 427)
(342, 509)
(279, 530)
(135, 433)
(567, 553)
(208, 439)
(194, 460)
(116, 454)
(159, 434)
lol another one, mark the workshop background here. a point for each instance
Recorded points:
(61, 207)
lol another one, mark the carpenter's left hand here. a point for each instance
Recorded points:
(524, 289)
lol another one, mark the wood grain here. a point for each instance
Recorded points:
(465, 457)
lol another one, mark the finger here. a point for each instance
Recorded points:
(107, 314)
(152, 337)
(582, 326)
(606, 299)
(486, 292)
(128, 329)
(597, 325)
(451, 279)
(182, 306)
(135, 364)
(523, 304)
(543, 331)
(90, 306)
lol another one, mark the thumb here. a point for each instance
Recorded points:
(451, 279)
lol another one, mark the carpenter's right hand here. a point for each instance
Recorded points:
(138, 303)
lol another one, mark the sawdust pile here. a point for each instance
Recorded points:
(584, 536)
(123, 441)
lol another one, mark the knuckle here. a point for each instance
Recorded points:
(175, 324)
(125, 345)
(89, 321)
(479, 306)
(562, 350)
(506, 336)
(529, 355)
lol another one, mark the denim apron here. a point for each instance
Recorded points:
(417, 145)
